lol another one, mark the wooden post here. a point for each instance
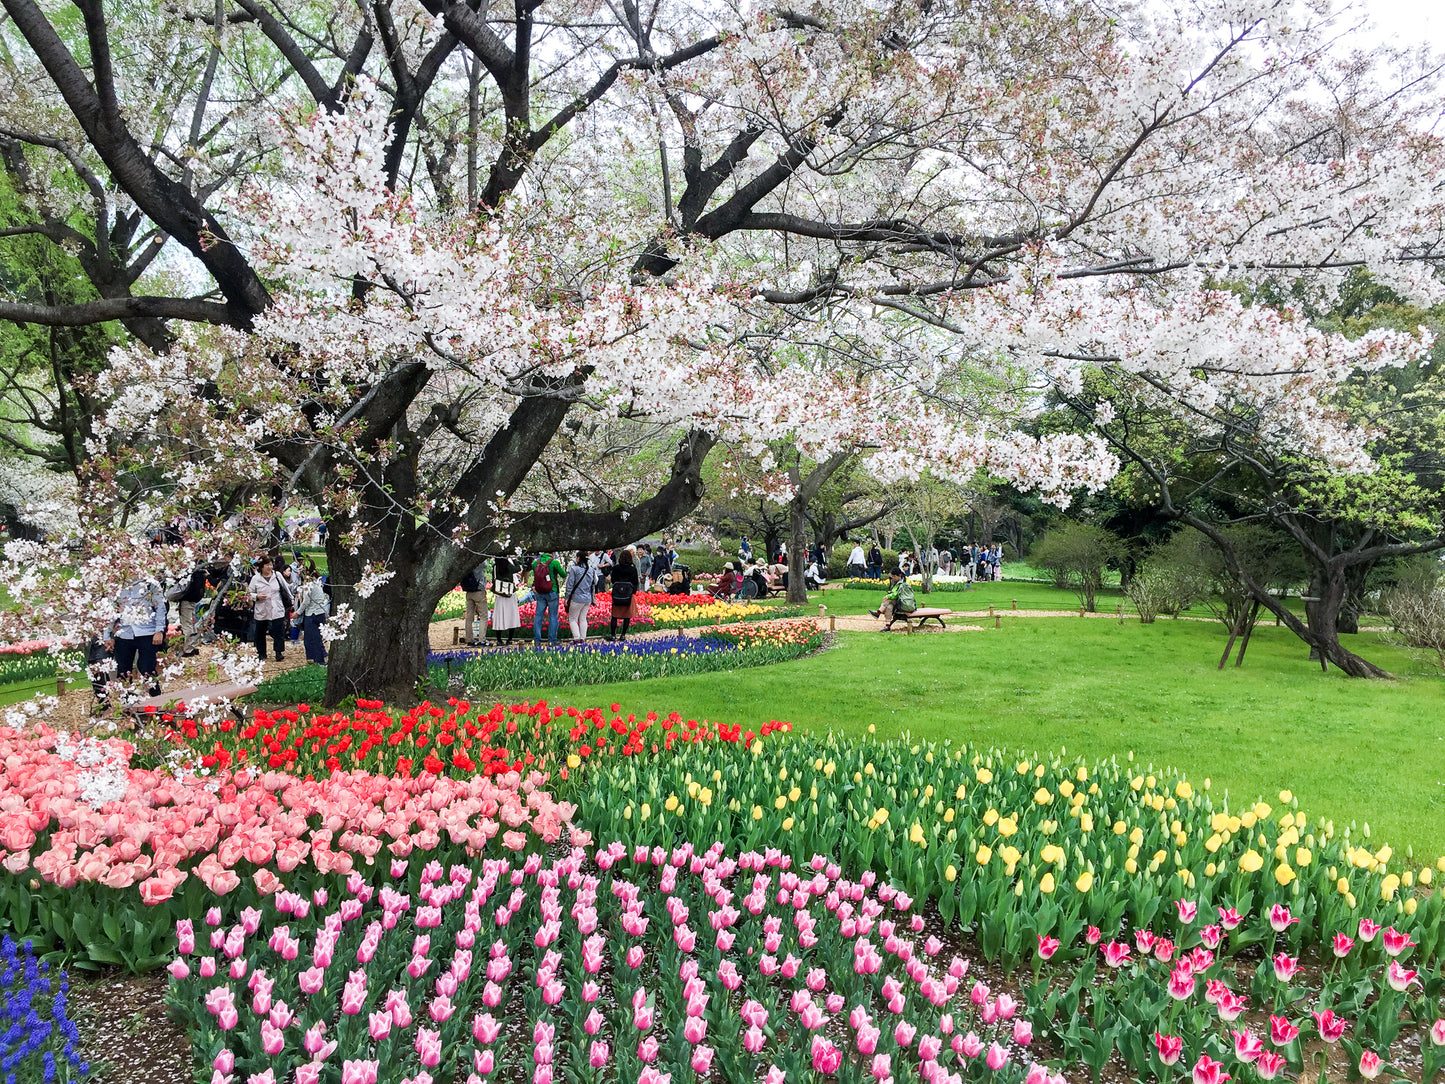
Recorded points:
(1015, 603)
(1081, 611)
(990, 609)
(60, 686)
(998, 621)
(456, 635)
(832, 622)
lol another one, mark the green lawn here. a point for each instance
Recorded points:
(1351, 750)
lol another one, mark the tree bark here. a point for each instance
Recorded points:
(797, 551)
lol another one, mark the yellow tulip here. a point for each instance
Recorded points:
(644, 812)
(1426, 875)
(1085, 881)
(1303, 856)
(757, 812)
(671, 803)
(1283, 874)
(958, 794)
(948, 815)
(794, 794)
(1184, 790)
(915, 834)
(1120, 828)
(1066, 788)
(1043, 796)
(1285, 796)
(983, 856)
(1007, 826)
(1046, 883)
(1081, 773)
(990, 818)
(1212, 843)
(1261, 810)
(1389, 886)
(951, 873)
(787, 824)
(1086, 822)
(1410, 905)
(984, 776)
(881, 813)
(1210, 870)
(573, 760)
(1010, 855)
(1131, 866)
(1251, 862)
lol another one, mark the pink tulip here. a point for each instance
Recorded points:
(428, 1046)
(1229, 918)
(592, 1025)
(225, 1062)
(811, 1017)
(1211, 935)
(1208, 1071)
(1269, 1065)
(1285, 967)
(694, 1030)
(1399, 978)
(754, 1039)
(272, 1039)
(310, 1073)
(1188, 910)
(1342, 945)
(178, 969)
(1368, 930)
(1280, 919)
(185, 937)
(970, 1046)
(228, 1017)
(1331, 1026)
(1181, 984)
(647, 1050)
(1037, 1074)
(441, 1009)
(598, 1052)
(1144, 940)
(979, 994)
(1281, 1031)
(774, 1075)
(1116, 954)
(1395, 942)
(903, 1033)
(929, 1047)
(881, 1067)
(379, 1025)
(1230, 1005)
(359, 1072)
(826, 1057)
(701, 1060)
(1437, 1032)
(1370, 1064)
(635, 955)
(1007, 1006)
(1247, 1046)
(1092, 935)
(867, 1041)
(1169, 1047)
(997, 1057)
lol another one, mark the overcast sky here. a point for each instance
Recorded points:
(1408, 21)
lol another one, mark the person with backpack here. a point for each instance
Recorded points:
(625, 582)
(898, 601)
(474, 587)
(581, 582)
(271, 602)
(875, 562)
(547, 577)
(188, 591)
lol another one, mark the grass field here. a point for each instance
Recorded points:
(1351, 750)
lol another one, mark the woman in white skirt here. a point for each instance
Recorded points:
(505, 617)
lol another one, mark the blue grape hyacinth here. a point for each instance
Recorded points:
(38, 1040)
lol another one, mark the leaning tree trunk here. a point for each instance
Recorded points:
(1323, 617)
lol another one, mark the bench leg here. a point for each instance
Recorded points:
(908, 623)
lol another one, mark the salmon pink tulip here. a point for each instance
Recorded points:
(1370, 1064)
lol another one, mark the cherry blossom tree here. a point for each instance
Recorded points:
(671, 214)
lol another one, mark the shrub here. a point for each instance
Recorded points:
(1150, 590)
(1415, 607)
(1077, 555)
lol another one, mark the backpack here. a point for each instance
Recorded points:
(470, 582)
(905, 603)
(542, 578)
(196, 589)
(622, 593)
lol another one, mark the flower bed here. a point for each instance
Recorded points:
(945, 586)
(35, 664)
(92, 843)
(593, 664)
(38, 1040)
(629, 965)
(598, 615)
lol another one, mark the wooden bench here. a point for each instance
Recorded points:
(917, 618)
(176, 701)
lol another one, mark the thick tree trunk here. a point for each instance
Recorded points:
(1324, 621)
(383, 654)
(797, 551)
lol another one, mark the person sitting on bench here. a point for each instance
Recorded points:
(898, 602)
(728, 585)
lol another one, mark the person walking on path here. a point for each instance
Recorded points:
(505, 616)
(474, 587)
(581, 580)
(547, 577)
(644, 566)
(625, 582)
(271, 602)
(857, 562)
(138, 629)
(313, 607)
(186, 593)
